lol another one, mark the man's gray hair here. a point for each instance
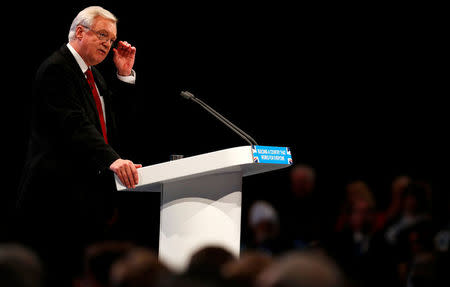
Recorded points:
(86, 18)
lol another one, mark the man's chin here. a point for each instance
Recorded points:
(98, 60)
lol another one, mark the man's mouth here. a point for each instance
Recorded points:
(103, 52)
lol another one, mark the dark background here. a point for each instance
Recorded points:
(354, 91)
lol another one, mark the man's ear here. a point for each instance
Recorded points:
(79, 32)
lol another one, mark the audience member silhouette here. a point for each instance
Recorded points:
(354, 191)
(399, 185)
(140, 267)
(304, 217)
(264, 226)
(97, 262)
(244, 271)
(359, 248)
(301, 269)
(415, 208)
(409, 234)
(206, 264)
(20, 267)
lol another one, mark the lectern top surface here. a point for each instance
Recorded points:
(247, 159)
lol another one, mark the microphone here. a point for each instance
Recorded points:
(241, 133)
(187, 95)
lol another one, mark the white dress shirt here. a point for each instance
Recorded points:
(131, 79)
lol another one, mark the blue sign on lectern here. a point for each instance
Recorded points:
(271, 154)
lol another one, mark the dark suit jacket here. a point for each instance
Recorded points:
(66, 177)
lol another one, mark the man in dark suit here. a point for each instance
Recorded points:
(65, 195)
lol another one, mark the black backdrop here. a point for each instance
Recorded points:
(352, 90)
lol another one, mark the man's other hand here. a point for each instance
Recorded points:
(126, 170)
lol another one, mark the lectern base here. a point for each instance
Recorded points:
(201, 197)
(199, 212)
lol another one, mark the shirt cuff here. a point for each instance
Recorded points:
(131, 79)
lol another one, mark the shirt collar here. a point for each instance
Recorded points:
(78, 58)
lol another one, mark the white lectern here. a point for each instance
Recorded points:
(201, 198)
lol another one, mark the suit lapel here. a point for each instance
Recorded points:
(81, 78)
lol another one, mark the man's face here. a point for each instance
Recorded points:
(95, 42)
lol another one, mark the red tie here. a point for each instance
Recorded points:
(98, 103)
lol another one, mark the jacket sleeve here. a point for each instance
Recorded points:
(62, 109)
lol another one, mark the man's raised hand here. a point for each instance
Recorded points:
(124, 55)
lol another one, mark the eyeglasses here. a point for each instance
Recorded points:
(102, 35)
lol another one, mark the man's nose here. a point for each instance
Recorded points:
(107, 44)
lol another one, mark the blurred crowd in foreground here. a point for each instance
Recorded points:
(361, 245)
(121, 264)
